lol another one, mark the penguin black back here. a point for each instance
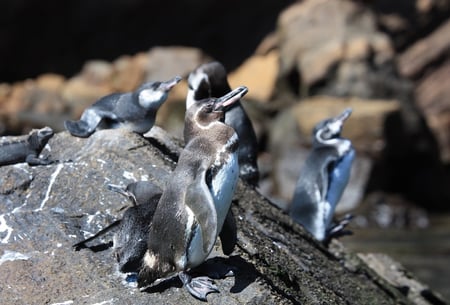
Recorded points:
(130, 240)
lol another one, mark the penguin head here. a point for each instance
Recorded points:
(331, 128)
(206, 113)
(151, 95)
(39, 138)
(208, 80)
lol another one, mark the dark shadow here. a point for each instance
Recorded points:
(216, 268)
(64, 35)
(410, 165)
(99, 247)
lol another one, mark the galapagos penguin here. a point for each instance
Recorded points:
(135, 111)
(130, 240)
(323, 178)
(210, 80)
(196, 200)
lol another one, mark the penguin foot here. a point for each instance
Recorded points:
(199, 287)
(79, 129)
(338, 230)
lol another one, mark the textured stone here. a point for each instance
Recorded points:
(276, 261)
(258, 73)
(333, 47)
(424, 52)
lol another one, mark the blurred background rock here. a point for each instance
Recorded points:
(303, 61)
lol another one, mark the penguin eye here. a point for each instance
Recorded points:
(209, 107)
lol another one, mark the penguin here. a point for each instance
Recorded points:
(130, 240)
(196, 200)
(210, 80)
(135, 111)
(323, 179)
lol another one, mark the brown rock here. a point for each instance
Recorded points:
(433, 98)
(129, 72)
(319, 40)
(418, 57)
(259, 74)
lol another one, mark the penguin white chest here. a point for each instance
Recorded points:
(223, 186)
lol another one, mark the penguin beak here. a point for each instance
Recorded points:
(166, 86)
(122, 191)
(344, 115)
(230, 98)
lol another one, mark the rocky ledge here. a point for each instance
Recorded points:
(47, 209)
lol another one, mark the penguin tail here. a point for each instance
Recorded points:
(78, 128)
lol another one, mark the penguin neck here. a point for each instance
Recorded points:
(341, 145)
(151, 98)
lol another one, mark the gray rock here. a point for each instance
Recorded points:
(46, 209)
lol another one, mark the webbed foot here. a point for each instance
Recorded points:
(79, 128)
(338, 230)
(199, 287)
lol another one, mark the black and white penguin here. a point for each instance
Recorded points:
(196, 200)
(135, 111)
(130, 240)
(210, 80)
(323, 178)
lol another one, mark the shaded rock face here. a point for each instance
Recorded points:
(46, 209)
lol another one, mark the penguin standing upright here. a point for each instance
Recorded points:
(210, 80)
(135, 111)
(196, 199)
(323, 178)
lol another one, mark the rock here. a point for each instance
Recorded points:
(333, 47)
(395, 274)
(424, 52)
(49, 208)
(433, 99)
(258, 73)
(129, 72)
(407, 21)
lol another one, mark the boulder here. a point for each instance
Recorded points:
(333, 47)
(46, 209)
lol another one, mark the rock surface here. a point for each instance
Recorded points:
(46, 209)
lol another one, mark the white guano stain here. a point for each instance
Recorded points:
(63, 303)
(5, 228)
(10, 256)
(50, 185)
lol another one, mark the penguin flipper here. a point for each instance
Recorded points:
(199, 200)
(199, 287)
(228, 235)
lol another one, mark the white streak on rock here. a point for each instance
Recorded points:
(9, 256)
(105, 302)
(63, 303)
(129, 175)
(50, 185)
(5, 228)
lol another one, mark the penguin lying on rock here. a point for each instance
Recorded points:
(135, 111)
(210, 80)
(130, 240)
(323, 179)
(195, 204)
